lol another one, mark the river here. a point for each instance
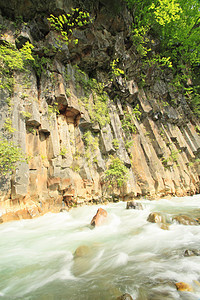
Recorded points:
(127, 254)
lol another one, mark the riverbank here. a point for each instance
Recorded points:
(28, 209)
(127, 254)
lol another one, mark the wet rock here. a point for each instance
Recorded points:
(83, 260)
(99, 218)
(63, 209)
(183, 287)
(125, 297)
(23, 214)
(82, 251)
(184, 220)
(34, 211)
(155, 218)
(198, 220)
(191, 253)
(10, 216)
(164, 226)
(134, 205)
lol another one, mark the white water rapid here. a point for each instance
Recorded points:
(127, 254)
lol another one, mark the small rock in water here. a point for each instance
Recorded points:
(125, 297)
(183, 287)
(99, 218)
(164, 226)
(134, 205)
(192, 253)
(155, 218)
(64, 209)
(184, 220)
(82, 251)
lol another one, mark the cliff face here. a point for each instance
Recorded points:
(71, 127)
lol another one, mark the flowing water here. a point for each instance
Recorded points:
(127, 254)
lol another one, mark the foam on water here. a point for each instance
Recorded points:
(127, 254)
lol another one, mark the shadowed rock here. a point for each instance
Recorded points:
(99, 218)
(155, 218)
(134, 205)
(125, 297)
(192, 253)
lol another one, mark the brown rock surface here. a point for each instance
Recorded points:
(125, 297)
(61, 162)
(82, 251)
(155, 218)
(185, 220)
(99, 218)
(183, 287)
(10, 216)
(23, 214)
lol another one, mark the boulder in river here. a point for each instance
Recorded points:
(134, 205)
(125, 297)
(155, 218)
(192, 253)
(183, 287)
(99, 218)
(82, 251)
(185, 220)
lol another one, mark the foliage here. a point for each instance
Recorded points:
(136, 112)
(98, 108)
(40, 64)
(115, 143)
(52, 109)
(63, 151)
(91, 144)
(66, 24)
(128, 144)
(173, 157)
(127, 122)
(10, 155)
(26, 114)
(12, 59)
(117, 173)
(31, 129)
(90, 141)
(167, 33)
(115, 70)
(8, 126)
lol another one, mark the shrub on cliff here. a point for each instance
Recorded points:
(117, 173)
(10, 155)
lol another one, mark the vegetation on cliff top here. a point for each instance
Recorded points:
(167, 33)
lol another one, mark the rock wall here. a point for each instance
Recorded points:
(69, 137)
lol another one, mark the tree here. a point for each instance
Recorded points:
(176, 24)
